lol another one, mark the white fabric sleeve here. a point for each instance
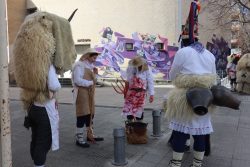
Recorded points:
(176, 66)
(123, 74)
(78, 73)
(214, 72)
(150, 82)
(129, 73)
(53, 82)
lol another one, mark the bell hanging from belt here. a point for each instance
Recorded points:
(199, 99)
(224, 97)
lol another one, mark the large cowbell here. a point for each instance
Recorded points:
(223, 97)
(199, 99)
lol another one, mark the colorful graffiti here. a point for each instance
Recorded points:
(219, 47)
(155, 49)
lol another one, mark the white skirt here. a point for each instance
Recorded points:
(199, 125)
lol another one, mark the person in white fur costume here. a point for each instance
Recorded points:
(43, 49)
(243, 74)
(193, 66)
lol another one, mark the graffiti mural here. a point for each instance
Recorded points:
(219, 47)
(155, 49)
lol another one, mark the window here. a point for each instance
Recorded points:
(159, 46)
(129, 46)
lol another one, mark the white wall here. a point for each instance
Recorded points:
(124, 16)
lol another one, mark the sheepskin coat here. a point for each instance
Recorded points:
(243, 74)
(177, 105)
(191, 68)
(43, 39)
(180, 114)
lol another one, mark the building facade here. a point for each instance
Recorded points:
(163, 17)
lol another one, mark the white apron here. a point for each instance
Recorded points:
(54, 121)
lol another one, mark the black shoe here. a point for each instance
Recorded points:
(96, 139)
(82, 144)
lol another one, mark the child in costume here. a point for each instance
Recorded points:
(140, 80)
(231, 71)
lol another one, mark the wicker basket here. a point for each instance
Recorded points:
(136, 132)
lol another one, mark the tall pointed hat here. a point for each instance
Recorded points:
(190, 29)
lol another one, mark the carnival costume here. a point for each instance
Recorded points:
(231, 71)
(139, 81)
(84, 81)
(138, 84)
(190, 29)
(243, 74)
(193, 67)
(43, 49)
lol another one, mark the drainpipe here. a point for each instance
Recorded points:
(179, 21)
(4, 88)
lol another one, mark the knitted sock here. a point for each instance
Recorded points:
(80, 135)
(176, 161)
(79, 130)
(198, 157)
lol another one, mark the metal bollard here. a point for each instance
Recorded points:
(119, 147)
(156, 123)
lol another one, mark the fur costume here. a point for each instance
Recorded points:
(43, 39)
(177, 105)
(243, 74)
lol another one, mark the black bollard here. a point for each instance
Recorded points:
(119, 147)
(156, 123)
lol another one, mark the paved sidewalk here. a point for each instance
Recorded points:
(230, 141)
(105, 96)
